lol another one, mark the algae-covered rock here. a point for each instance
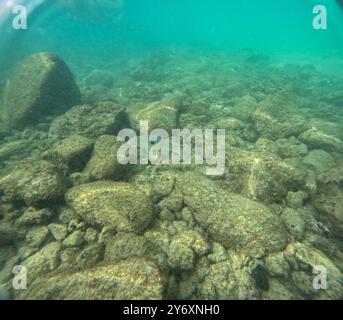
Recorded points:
(296, 199)
(180, 256)
(36, 236)
(229, 279)
(44, 260)
(90, 121)
(125, 245)
(173, 202)
(329, 199)
(334, 175)
(230, 219)
(39, 85)
(162, 186)
(33, 216)
(13, 148)
(278, 291)
(329, 202)
(114, 204)
(219, 282)
(278, 116)
(104, 163)
(305, 260)
(90, 256)
(277, 265)
(328, 127)
(74, 151)
(58, 231)
(294, 222)
(34, 182)
(261, 177)
(184, 248)
(268, 126)
(243, 108)
(319, 140)
(8, 234)
(135, 279)
(291, 148)
(319, 161)
(160, 115)
(6, 253)
(74, 240)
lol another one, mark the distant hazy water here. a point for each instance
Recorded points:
(277, 28)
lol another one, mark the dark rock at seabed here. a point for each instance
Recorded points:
(260, 275)
(7, 234)
(39, 85)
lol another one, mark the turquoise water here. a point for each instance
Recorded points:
(102, 29)
(82, 70)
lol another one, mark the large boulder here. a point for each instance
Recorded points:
(316, 139)
(329, 199)
(318, 161)
(90, 121)
(34, 182)
(261, 177)
(160, 114)
(39, 85)
(117, 205)
(134, 279)
(104, 163)
(303, 261)
(232, 220)
(278, 116)
(74, 151)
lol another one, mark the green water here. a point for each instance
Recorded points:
(104, 30)
(70, 213)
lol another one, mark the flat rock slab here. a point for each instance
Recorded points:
(230, 219)
(136, 279)
(39, 85)
(117, 205)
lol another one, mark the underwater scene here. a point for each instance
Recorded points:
(171, 150)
